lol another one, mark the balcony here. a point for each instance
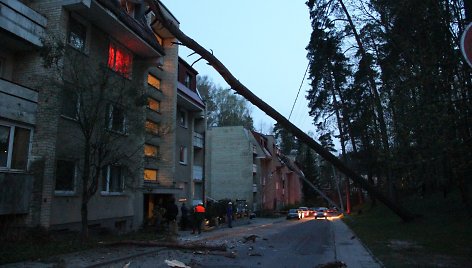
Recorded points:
(197, 173)
(125, 29)
(254, 188)
(15, 193)
(254, 168)
(24, 26)
(198, 140)
(18, 103)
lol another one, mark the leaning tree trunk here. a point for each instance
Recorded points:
(246, 93)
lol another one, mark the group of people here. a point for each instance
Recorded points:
(197, 215)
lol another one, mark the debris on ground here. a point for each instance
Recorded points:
(250, 238)
(334, 264)
(176, 264)
(172, 244)
(231, 254)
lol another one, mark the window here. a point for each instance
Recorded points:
(150, 175)
(112, 179)
(154, 105)
(119, 60)
(151, 150)
(2, 63)
(188, 80)
(152, 127)
(183, 155)
(14, 147)
(77, 34)
(128, 6)
(70, 104)
(116, 118)
(182, 117)
(154, 81)
(158, 38)
(65, 175)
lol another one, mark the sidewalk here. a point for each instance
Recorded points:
(348, 248)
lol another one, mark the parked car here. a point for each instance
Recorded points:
(294, 213)
(332, 211)
(306, 212)
(321, 212)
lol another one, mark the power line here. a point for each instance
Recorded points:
(301, 84)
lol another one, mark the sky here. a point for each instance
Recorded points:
(261, 42)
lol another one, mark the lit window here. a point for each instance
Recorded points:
(154, 81)
(154, 105)
(182, 118)
(152, 127)
(77, 34)
(116, 118)
(112, 179)
(183, 155)
(14, 147)
(70, 104)
(119, 60)
(150, 175)
(150, 150)
(65, 175)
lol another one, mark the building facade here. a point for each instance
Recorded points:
(111, 48)
(280, 183)
(233, 166)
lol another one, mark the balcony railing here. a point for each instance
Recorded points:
(17, 102)
(22, 21)
(197, 173)
(198, 140)
(15, 193)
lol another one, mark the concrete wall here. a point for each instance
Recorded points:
(229, 171)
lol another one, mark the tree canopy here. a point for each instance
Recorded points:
(224, 108)
(389, 77)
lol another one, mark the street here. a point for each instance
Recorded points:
(283, 243)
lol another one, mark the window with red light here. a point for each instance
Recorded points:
(119, 60)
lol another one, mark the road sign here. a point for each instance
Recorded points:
(466, 44)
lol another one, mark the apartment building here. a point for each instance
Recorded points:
(280, 182)
(233, 166)
(140, 137)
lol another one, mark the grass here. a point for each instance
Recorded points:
(43, 246)
(440, 237)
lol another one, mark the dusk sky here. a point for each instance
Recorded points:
(261, 42)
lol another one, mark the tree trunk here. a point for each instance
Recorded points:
(246, 93)
(85, 192)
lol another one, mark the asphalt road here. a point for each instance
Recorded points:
(288, 243)
(279, 243)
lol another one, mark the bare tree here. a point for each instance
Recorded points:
(105, 109)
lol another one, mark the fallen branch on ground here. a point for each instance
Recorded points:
(176, 245)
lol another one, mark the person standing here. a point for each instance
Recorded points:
(184, 217)
(199, 215)
(171, 216)
(229, 214)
